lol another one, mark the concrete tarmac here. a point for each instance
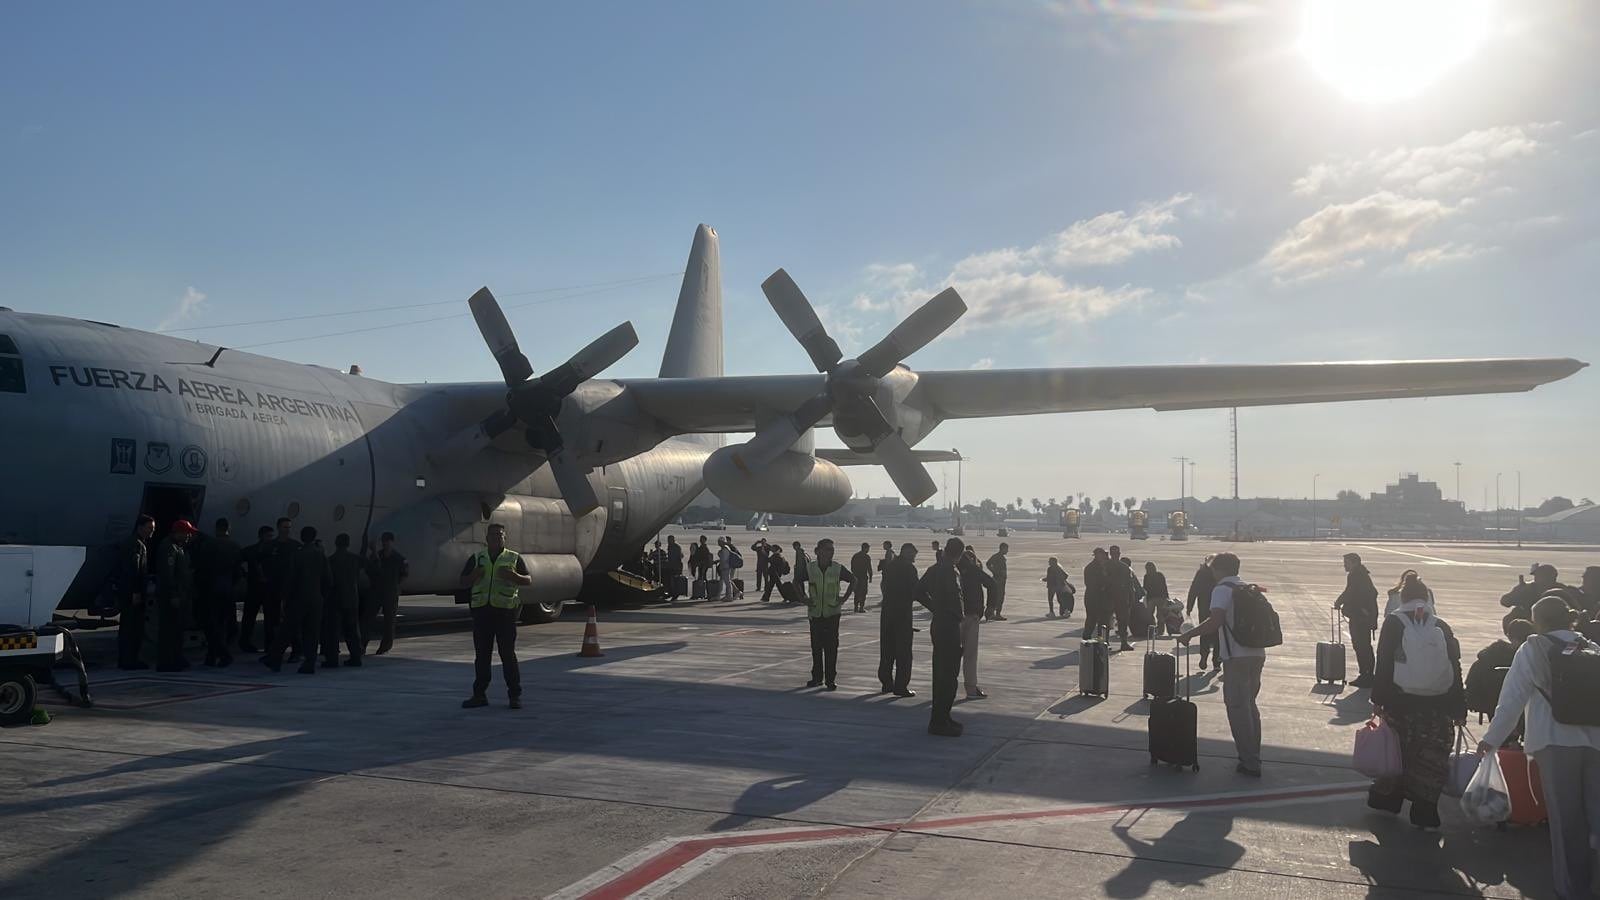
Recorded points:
(691, 761)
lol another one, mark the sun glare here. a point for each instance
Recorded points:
(1382, 50)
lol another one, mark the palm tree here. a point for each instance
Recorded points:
(1130, 503)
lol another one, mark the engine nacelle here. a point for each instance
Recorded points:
(797, 484)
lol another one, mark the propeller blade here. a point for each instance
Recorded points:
(497, 334)
(909, 475)
(801, 319)
(917, 331)
(778, 436)
(600, 354)
(573, 480)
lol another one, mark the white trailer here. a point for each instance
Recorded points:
(32, 582)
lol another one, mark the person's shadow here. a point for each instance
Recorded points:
(1175, 857)
(776, 796)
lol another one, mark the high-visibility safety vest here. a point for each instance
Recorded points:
(496, 588)
(822, 588)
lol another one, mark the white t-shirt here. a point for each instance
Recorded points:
(1222, 598)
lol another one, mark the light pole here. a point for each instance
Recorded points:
(1458, 483)
(1183, 503)
(959, 460)
(1314, 505)
(1497, 507)
(1519, 508)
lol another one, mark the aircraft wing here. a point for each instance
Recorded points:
(847, 457)
(1017, 392)
(743, 403)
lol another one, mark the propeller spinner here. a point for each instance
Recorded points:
(536, 402)
(852, 384)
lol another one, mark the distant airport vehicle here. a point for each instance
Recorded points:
(1138, 525)
(1178, 525)
(1069, 523)
(104, 423)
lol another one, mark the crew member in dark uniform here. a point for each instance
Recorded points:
(257, 598)
(174, 593)
(222, 556)
(1205, 581)
(997, 594)
(388, 569)
(762, 552)
(308, 582)
(280, 564)
(861, 571)
(341, 611)
(1359, 604)
(131, 581)
(898, 581)
(939, 590)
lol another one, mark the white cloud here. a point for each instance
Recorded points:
(1453, 169)
(986, 363)
(1440, 255)
(183, 310)
(1341, 236)
(1026, 287)
(1113, 237)
(1167, 12)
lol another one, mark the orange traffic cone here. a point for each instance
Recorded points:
(591, 636)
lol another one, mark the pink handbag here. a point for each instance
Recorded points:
(1377, 750)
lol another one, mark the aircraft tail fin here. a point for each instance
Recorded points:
(694, 345)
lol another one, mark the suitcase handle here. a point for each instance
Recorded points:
(1335, 625)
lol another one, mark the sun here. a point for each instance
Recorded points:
(1375, 51)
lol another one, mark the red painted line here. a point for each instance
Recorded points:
(982, 818)
(679, 855)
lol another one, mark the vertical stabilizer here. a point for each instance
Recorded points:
(694, 346)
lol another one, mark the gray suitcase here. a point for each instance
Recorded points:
(1094, 666)
(1330, 654)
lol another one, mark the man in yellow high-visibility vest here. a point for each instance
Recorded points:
(494, 575)
(823, 576)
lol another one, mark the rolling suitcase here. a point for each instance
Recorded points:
(790, 593)
(680, 585)
(699, 589)
(713, 589)
(1174, 725)
(1527, 790)
(1330, 653)
(1160, 672)
(1094, 666)
(738, 585)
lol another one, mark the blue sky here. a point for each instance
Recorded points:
(1107, 183)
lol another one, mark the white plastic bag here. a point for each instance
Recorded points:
(1487, 800)
(1462, 766)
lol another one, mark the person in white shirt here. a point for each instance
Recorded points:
(1568, 755)
(725, 556)
(1241, 666)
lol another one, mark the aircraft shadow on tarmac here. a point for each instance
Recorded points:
(195, 798)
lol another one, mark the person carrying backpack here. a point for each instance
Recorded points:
(1552, 676)
(1488, 672)
(1248, 626)
(1416, 688)
(1359, 603)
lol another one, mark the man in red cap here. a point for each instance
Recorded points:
(174, 594)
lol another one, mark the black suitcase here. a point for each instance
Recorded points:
(699, 589)
(713, 589)
(1094, 666)
(1160, 672)
(1174, 727)
(738, 585)
(791, 594)
(1330, 654)
(680, 585)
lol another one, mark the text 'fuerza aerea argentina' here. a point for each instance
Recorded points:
(126, 379)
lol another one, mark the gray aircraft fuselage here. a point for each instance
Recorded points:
(103, 422)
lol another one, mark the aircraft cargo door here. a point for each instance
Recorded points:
(617, 515)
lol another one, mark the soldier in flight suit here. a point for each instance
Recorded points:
(130, 581)
(899, 583)
(388, 570)
(341, 611)
(174, 595)
(940, 591)
(861, 571)
(307, 582)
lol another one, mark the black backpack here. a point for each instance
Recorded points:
(1574, 692)
(1484, 681)
(1255, 622)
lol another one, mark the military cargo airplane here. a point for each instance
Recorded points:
(104, 422)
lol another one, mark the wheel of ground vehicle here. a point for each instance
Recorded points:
(539, 613)
(17, 696)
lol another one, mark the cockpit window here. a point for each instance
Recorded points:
(12, 381)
